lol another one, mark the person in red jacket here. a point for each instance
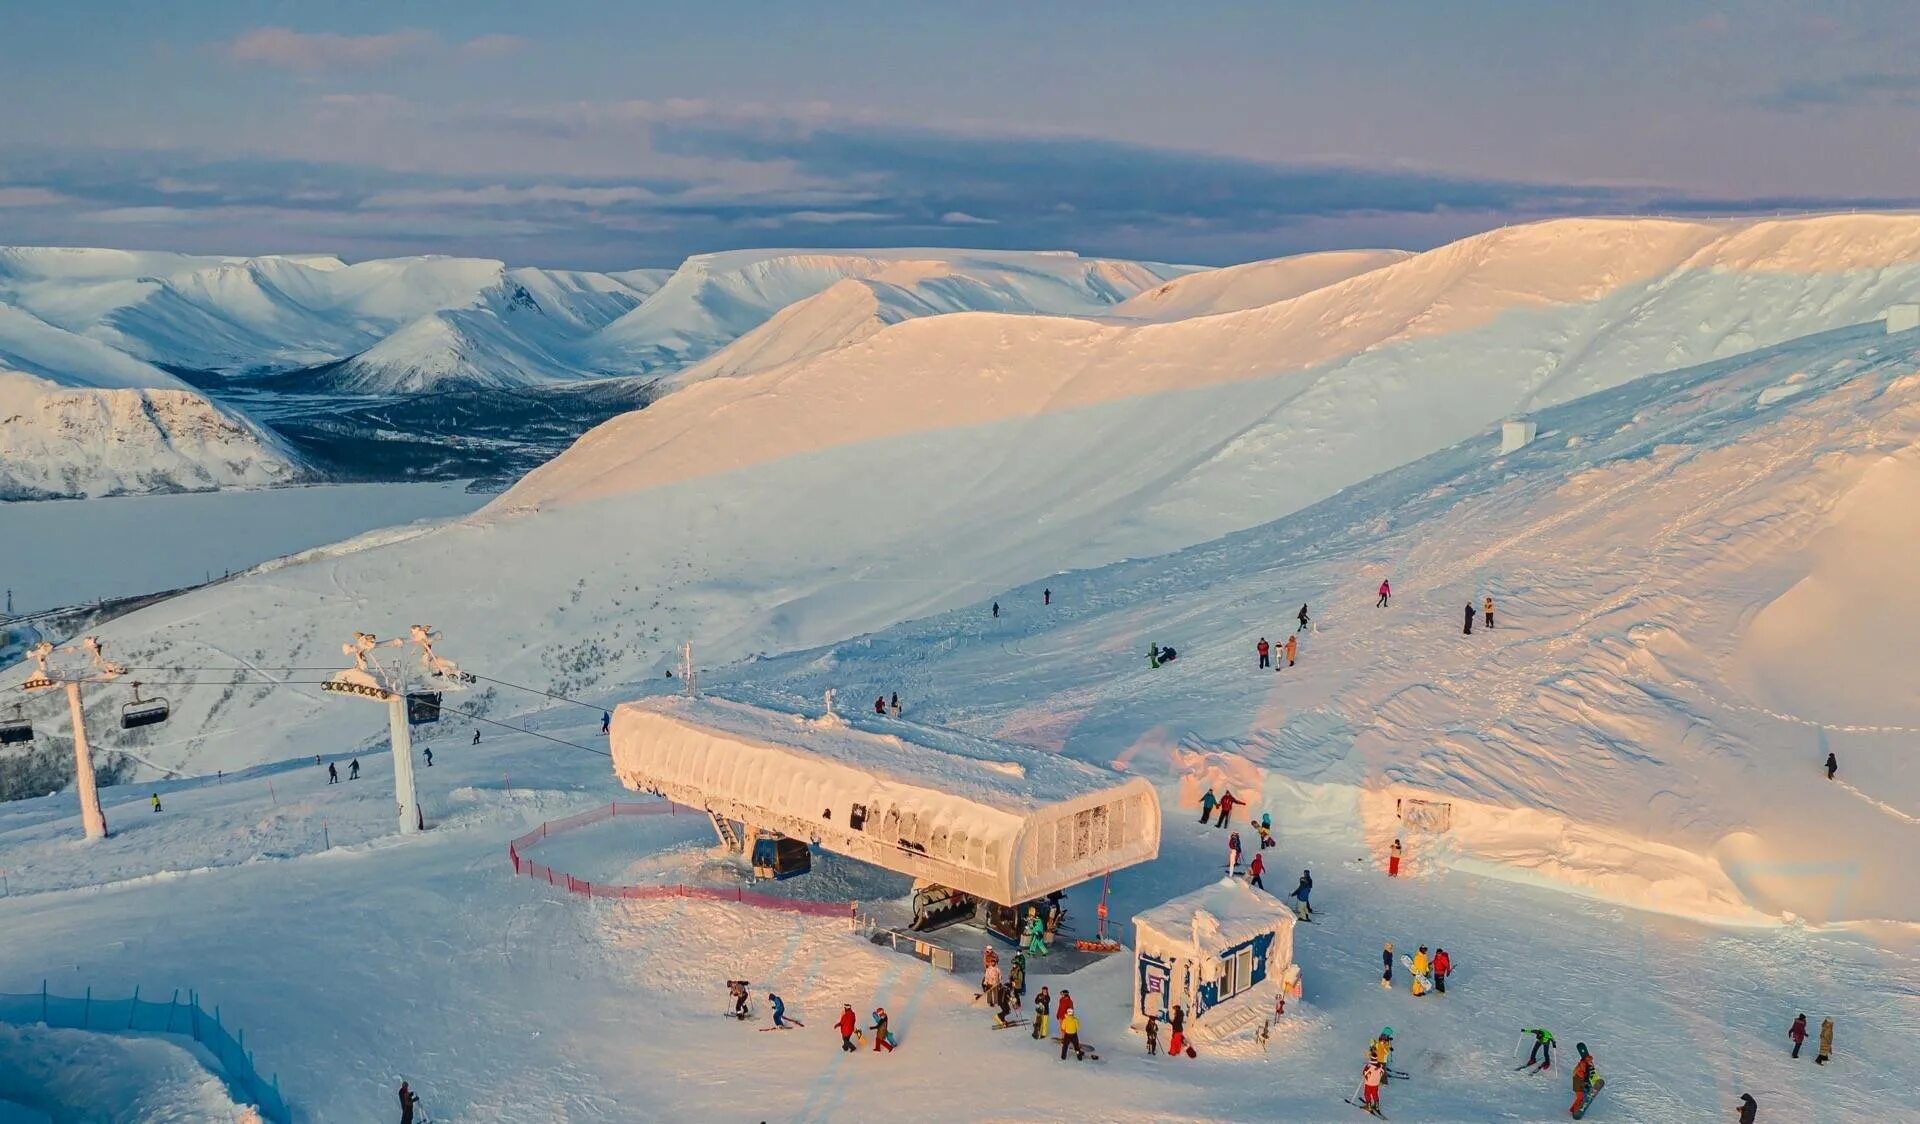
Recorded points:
(1066, 1004)
(1264, 650)
(1798, 1033)
(1386, 591)
(1227, 801)
(1254, 869)
(848, 1021)
(1442, 964)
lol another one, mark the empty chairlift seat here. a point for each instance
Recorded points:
(423, 707)
(15, 729)
(143, 712)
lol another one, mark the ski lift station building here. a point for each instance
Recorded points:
(1001, 822)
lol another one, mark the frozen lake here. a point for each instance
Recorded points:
(63, 552)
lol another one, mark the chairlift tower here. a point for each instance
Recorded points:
(46, 676)
(409, 692)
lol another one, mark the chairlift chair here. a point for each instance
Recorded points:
(144, 712)
(780, 858)
(423, 707)
(15, 730)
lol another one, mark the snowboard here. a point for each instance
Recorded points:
(1593, 1094)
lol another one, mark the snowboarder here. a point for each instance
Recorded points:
(1206, 805)
(1070, 1036)
(1749, 1110)
(1797, 1033)
(606, 722)
(1826, 1042)
(429, 752)
(1542, 1045)
(353, 769)
(1266, 835)
(846, 1026)
(880, 704)
(1262, 649)
(1488, 606)
(156, 802)
(1442, 967)
(1177, 1025)
(1370, 1078)
(333, 773)
(1233, 853)
(1467, 629)
(1153, 1035)
(1304, 891)
(1386, 963)
(1254, 870)
(738, 989)
(1046, 597)
(1386, 591)
(1586, 1081)
(1393, 860)
(893, 704)
(408, 1099)
(1227, 801)
(1419, 967)
(1833, 765)
(1293, 648)
(1303, 617)
(996, 610)
(476, 736)
(1041, 1010)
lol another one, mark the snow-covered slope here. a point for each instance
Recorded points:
(1238, 287)
(714, 299)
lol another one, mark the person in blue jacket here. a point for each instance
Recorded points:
(606, 721)
(779, 1009)
(1304, 891)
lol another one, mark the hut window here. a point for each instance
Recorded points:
(857, 817)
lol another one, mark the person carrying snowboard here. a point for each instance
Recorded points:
(1488, 606)
(846, 1025)
(1254, 870)
(1370, 1079)
(1293, 648)
(1040, 1012)
(1467, 629)
(1442, 967)
(1833, 765)
(1303, 617)
(1420, 966)
(1302, 892)
(1749, 1110)
(1070, 1035)
(882, 1037)
(1263, 650)
(1206, 805)
(1826, 1042)
(1797, 1033)
(1266, 835)
(1586, 1080)
(1386, 591)
(1227, 802)
(1393, 860)
(1542, 1044)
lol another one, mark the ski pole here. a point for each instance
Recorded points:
(1522, 1045)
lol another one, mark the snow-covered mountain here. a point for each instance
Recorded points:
(941, 462)
(1235, 288)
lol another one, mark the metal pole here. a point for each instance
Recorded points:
(401, 737)
(91, 817)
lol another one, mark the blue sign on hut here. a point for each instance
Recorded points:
(1223, 948)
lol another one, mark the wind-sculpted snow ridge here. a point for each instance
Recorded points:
(1235, 288)
(1700, 590)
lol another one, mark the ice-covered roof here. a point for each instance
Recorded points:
(1215, 917)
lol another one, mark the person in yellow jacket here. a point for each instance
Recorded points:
(1070, 1036)
(1488, 606)
(1382, 1049)
(1421, 965)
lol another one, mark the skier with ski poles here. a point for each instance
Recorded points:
(1542, 1044)
(1371, 1078)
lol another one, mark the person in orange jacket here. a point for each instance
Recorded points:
(1585, 1080)
(1293, 646)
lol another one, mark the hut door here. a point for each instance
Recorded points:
(1155, 982)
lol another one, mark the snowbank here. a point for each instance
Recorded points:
(83, 1075)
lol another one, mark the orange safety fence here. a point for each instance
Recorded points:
(523, 865)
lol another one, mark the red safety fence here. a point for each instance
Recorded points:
(560, 878)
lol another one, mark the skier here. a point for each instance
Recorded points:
(1442, 967)
(846, 1025)
(1153, 1035)
(1303, 617)
(1206, 805)
(1393, 860)
(1488, 606)
(1233, 853)
(996, 610)
(990, 979)
(1586, 1080)
(1262, 649)
(333, 773)
(1177, 1025)
(1293, 647)
(1833, 765)
(1254, 870)
(1227, 801)
(1040, 1013)
(606, 722)
(893, 704)
(156, 802)
(1386, 591)
(1370, 1079)
(1542, 1044)
(1017, 977)
(1304, 891)
(1066, 1005)
(1748, 1110)
(1419, 967)
(1826, 1042)
(1386, 962)
(476, 736)
(1046, 597)
(1797, 1033)
(1070, 1036)
(353, 770)
(408, 1098)
(429, 752)
(880, 704)
(738, 989)
(779, 1008)
(1003, 999)
(1467, 629)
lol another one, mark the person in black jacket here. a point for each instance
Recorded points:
(408, 1098)
(1748, 1109)
(1468, 629)
(1833, 765)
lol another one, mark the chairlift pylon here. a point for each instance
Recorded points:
(15, 730)
(144, 712)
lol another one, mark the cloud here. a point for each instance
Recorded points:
(1882, 88)
(961, 218)
(817, 218)
(500, 195)
(1711, 25)
(31, 197)
(312, 52)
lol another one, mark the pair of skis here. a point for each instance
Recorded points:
(787, 1023)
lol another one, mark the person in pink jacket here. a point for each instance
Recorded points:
(1386, 591)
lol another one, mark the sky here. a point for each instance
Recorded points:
(607, 135)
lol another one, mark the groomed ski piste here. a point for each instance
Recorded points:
(1699, 587)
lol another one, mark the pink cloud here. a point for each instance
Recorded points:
(492, 46)
(325, 50)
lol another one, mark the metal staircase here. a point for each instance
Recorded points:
(723, 827)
